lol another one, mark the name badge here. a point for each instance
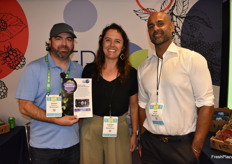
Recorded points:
(110, 126)
(155, 111)
(53, 106)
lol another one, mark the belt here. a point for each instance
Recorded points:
(170, 138)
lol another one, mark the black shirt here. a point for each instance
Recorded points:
(111, 92)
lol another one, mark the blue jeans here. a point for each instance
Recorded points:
(69, 155)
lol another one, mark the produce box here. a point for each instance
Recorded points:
(223, 139)
(221, 116)
(5, 128)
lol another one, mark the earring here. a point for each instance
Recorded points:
(173, 34)
(122, 57)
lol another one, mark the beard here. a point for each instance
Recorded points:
(160, 40)
(62, 54)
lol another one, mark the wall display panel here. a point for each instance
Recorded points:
(195, 22)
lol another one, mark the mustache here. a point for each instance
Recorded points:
(66, 47)
(157, 32)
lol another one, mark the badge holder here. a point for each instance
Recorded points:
(53, 106)
(156, 111)
(110, 126)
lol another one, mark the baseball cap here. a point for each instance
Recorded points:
(61, 28)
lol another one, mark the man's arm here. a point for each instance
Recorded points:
(202, 128)
(142, 117)
(29, 109)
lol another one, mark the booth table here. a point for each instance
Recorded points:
(13, 147)
(213, 156)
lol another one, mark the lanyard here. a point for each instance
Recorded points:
(111, 95)
(159, 70)
(48, 89)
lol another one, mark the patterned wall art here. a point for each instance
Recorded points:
(13, 40)
(198, 28)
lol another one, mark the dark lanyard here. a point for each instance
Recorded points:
(111, 95)
(48, 89)
(158, 78)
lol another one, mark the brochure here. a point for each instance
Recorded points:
(77, 97)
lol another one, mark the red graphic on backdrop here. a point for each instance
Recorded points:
(150, 11)
(13, 40)
(10, 26)
(13, 37)
(13, 57)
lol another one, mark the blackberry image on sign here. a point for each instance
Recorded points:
(67, 104)
(82, 103)
(69, 87)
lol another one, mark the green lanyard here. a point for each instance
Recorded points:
(48, 89)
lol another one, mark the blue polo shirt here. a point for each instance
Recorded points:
(32, 87)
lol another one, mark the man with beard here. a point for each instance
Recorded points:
(53, 139)
(175, 98)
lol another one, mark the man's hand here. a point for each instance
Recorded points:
(133, 144)
(67, 120)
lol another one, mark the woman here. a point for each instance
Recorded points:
(114, 90)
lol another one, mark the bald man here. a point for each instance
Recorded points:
(175, 98)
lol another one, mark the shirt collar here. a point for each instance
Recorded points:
(172, 50)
